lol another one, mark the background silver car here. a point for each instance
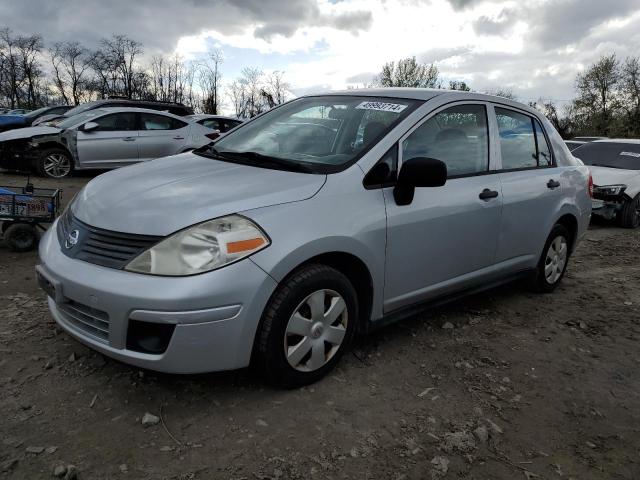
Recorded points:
(324, 217)
(101, 138)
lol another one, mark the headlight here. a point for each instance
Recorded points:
(202, 248)
(609, 189)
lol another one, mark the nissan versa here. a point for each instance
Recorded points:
(322, 218)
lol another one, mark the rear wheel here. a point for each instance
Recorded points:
(21, 237)
(629, 215)
(307, 325)
(553, 262)
(55, 163)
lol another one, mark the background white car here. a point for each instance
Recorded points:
(102, 138)
(216, 122)
(615, 168)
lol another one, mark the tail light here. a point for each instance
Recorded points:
(213, 135)
(590, 187)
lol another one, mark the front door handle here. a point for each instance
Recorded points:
(178, 138)
(128, 139)
(487, 194)
(551, 184)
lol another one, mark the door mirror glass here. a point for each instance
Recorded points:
(89, 126)
(418, 172)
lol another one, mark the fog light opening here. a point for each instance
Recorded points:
(148, 337)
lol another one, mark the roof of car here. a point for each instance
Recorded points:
(200, 116)
(140, 110)
(427, 94)
(635, 141)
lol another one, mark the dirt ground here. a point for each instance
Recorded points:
(523, 386)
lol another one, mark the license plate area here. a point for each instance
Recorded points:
(51, 287)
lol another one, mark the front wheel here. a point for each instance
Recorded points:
(554, 259)
(55, 163)
(629, 215)
(306, 327)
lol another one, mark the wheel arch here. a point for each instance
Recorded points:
(570, 222)
(350, 265)
(356, 270)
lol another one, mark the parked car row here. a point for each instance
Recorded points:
(104, 134)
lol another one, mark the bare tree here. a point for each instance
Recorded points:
(276, 87)
(11, 67)
(409, 73)
(22, 79)
(29, 49)
(70, 64)
(118, 73)
(237, 94)
(210, 77)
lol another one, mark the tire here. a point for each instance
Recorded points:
(553, 261)
(55, 163)
(629, 215)
(295, 347)
(21, 237)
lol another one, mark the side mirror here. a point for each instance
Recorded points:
(213, 135)
(418, 172)
(89, 126)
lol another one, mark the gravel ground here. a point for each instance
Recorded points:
(502, 385)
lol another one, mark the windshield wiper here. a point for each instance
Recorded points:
(260, 160)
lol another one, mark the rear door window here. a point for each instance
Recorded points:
(151, 121)
(458, 136)
(522, 141)
(211, 123)
(117, 122)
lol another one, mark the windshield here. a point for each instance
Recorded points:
(38, 112)
(316, 134)
(610, 154)
(80, 108)
(80, 118)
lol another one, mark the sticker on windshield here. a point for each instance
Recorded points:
(630, 154)
(382, 106)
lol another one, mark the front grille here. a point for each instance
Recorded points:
(99, 246)
(90, 320)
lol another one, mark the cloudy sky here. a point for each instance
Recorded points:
(534, 48)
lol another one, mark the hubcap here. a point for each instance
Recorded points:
(315, 330)
(57, 165)
(556, 259)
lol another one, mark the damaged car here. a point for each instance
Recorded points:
(615, 167)
(102, 138)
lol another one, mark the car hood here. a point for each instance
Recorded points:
(165, 195)
(27, 133)
(613, 176)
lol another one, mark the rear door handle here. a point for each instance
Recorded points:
(551, 184)
(178, 138)
(129, 139)
(487, 194)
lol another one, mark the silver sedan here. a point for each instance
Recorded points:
(322, 218)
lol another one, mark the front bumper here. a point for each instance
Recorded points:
(17, 155)
(215, 314)
(607, 206)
